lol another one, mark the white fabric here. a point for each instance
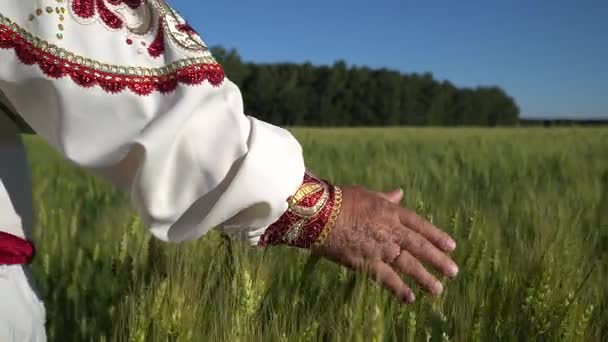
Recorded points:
(191, 159)
(22, 314)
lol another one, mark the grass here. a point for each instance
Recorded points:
(528, 207)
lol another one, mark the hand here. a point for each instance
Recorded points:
(374, 233)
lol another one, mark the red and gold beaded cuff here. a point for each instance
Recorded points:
(311, 215)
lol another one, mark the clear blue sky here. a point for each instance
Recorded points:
(550, 55)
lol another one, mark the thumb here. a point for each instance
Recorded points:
(394, 196)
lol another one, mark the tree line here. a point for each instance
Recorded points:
(339, 95)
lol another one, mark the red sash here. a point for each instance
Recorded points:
(15, 250)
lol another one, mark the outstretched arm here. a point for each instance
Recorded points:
(128, 90)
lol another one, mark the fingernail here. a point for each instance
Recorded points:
(438, 288)
(453, 270)
(450, 245)
(409, 298)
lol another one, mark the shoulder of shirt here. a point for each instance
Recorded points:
(142, 45)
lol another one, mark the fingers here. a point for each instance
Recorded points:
(410, 266)
(394, 196)
(385, 275)
(426, 229)
(427, 252)
(419, 224)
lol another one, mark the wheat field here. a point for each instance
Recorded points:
(528, 208)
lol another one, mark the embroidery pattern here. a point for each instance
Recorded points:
(179, 31)
(87, 10)
(134, 4)
(168, 22)
(157, 47)
(56, 62)
(312, 213)
(59, 10)
(113, 14)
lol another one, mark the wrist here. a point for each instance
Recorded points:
(311, 215)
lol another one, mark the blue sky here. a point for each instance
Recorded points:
(550, 55)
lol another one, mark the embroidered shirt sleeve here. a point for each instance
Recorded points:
(128, 89)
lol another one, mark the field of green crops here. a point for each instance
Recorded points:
(528, 207)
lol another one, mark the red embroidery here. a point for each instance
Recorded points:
(311, 200)
(107, 16)
(134, 4)
(84, 8)
(276, 233)
(15, 250)
(157, 47)
(186, 28)
(112, 86)
(83, 80)
(88, 9)
(84, 76)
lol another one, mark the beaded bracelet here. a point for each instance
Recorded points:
(311, 215)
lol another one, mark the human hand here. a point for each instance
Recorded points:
(374, 233)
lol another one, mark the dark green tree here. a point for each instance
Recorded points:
(339, 95)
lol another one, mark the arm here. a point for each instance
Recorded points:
(159, 120)
(125, 88)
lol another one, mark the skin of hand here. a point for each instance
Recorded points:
(371, 230)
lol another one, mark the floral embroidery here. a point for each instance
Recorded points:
(312, 213)
(112, 14)
(108, 17)
(56, 62)
(86, 9)
(169, 23)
